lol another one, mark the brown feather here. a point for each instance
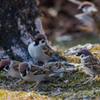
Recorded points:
(86, 52)
(4, 62)
(41, 36)
(93, 63)
(86, 3)
(22, 67)
(15, 65)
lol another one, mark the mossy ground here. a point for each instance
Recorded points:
(69, 86)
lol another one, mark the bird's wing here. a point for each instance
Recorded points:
(96, 67)
(59, 66)
(92, 62)
(87, 20)
(15, 65)
(49, 51)
(37, 70)
(96, 18)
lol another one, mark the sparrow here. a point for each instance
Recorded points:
(40, 73)
(90, 63)
(90, 16)
(32, 73)
(11, 67)
(39, 49)
(58, 68)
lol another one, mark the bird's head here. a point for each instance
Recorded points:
(24, 68)
(87, 7)
(40, 39)
(5, 64)
(84, 53)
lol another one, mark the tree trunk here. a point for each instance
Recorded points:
(19, 23)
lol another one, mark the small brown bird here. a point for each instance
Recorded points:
(58, 68)
(33, 73)
(90, 16)
(89, 62)
(39, 49)
(37, 73)
(11, 67)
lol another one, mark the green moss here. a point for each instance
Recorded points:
(2, 74)
(73, 59)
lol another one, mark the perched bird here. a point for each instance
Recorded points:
(37, 74)
(90, 16)
(11, 67)
(39, 50)
(89, 62)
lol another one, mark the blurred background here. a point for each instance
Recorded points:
(60, 25)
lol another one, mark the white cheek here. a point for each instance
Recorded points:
(27, 72)
(21, 75)
(84, 10)
(41, 44)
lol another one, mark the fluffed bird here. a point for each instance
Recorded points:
(11, 67)
(90, 16)
(39, 49)
(90, 63)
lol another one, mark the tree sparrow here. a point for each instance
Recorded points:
(58, 68)
(89, 63)
(90, 16)
(39, 50)
(11, 67)
(37, 74)
(32, 73)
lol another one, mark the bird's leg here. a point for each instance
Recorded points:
(15, 84)
(37, 83)
(60, 76)
(91, 79)
(22, 82)
(31, 85)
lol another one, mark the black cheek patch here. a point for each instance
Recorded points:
(6, 67)
(36, 43)
(1, 68)
(24, 74)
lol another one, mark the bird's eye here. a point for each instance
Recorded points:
(43, 41)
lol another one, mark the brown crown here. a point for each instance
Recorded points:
(22, 67)
(4, 62)
(40, 36)
(86, 52)
(85, 3)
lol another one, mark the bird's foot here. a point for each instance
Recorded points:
(21, 82)
(37, 83)
(31, 85)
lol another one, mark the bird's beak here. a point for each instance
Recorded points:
(77, 54)
(79, 8)
(24, 74)
(35, 39)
